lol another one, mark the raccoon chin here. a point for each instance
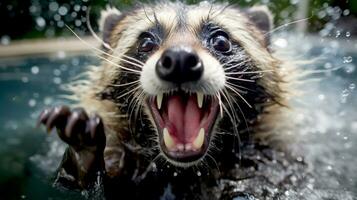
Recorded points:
(184, 123)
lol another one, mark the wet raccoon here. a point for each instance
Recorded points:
(188, 97)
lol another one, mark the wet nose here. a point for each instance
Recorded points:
(179, 65)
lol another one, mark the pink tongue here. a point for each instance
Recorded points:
(184, 117)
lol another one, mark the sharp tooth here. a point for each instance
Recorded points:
(188, 147)
(180, 147)
(169, 142)
(197, 144)
(159, 100)
(199, 99)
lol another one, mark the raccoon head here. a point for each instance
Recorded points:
(196, 69)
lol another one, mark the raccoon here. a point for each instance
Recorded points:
(186, 96)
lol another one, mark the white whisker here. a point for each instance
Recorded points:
(103, 52)
(240, 79)
(133, 90)
(220, 103)
(238, 64)
(253, 72)
(234, 124)
(241, 111)
(125, 84)
(236, 92)
(239, 86)
(287, 24)
(106, 45)
(117, 65)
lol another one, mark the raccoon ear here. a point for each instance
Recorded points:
(262, 18)
(108, 20)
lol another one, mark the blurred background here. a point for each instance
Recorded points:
(47, 18)
(38, 54)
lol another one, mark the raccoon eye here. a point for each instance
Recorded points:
(220, 42)
(147, 45)
(147, 42)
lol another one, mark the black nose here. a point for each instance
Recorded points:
(179, 65)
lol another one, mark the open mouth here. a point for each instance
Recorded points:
(184, 122)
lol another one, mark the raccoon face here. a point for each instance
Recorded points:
(199, 65)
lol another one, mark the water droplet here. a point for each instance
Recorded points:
(328, 65)
(57, 80)
(175, 173)
(57, 72)
(349, 68)
(310, 186)
(35, 70)
(352, 86)
(40, 22)
(329, 167)
(53, 6)
(348, 34)
(299, 159)
(321, 97)
(338, 33)
(347, 59)
(346, 12)
(62, 10)
(5, 40)
(74, 14)
(321, 14)
(57, 17)
(345, 138)
(78, 22)
(60, 24)
(47, 100)
(287, 193)
(33, 9)
(75, 61)
(294, 2)
(77, 7)
(281, 42)
(345, 92)
(199, 173)
(65, 67)
(32, 102)
(25, 79)
(61, 54)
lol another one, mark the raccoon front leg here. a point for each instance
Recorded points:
(85, 137)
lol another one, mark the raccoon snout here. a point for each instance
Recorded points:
(179, 65)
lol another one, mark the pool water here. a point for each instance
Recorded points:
(27, 85)
(29, 156)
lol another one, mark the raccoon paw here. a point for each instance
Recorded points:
(75, 127)
(86, 139)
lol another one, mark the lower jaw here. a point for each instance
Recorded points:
(185, 158)
(189, 158)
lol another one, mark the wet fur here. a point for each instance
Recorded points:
(125, 118)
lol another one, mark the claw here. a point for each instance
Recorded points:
(42, 119)
(76, 123)
(74, 127)
(95, 129)
(57, 117)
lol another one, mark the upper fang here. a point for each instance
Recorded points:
(200, 99)
(159, 100)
